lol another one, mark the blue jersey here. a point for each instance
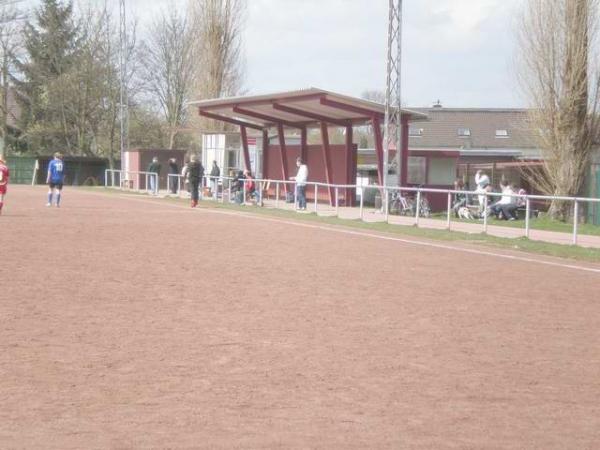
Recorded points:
(56, 170)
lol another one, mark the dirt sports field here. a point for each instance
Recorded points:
(129, 322)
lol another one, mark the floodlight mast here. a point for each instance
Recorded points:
(123, 97)
(393, 103)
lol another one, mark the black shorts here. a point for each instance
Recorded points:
(53, 185)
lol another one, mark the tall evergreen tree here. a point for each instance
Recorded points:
(51, 43)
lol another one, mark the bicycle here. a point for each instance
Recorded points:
(423, 207)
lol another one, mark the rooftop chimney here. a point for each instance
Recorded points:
(438, 104)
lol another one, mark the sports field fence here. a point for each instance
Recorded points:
(331, 199)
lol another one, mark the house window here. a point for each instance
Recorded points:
(415, 132)
(464, 132)
(417, 170)
(502, 133)
(442, 171)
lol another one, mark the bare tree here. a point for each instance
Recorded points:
(364, 134)
(169, 55)
(561, 82)
(219, 26)
(108, 141)
(374, 95)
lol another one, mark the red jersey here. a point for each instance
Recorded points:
(4, 175)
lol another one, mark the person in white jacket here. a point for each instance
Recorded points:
(482, 181)
(301, 178)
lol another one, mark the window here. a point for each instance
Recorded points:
(442, 171)
(464, 132)
(417, 169)
(415, 132)
(502, 133)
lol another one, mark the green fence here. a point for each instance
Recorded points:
(78, 170)
(21, 169)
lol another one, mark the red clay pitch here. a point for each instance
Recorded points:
(135, 323)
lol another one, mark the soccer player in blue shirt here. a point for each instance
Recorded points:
(55, 178)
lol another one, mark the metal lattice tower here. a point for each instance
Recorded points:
(123, 98)
(393, 115)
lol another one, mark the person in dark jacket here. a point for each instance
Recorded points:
(154, 168)
(215, 173)
(173, 170)
(237, 185)
(194, 173)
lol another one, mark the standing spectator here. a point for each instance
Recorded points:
(173, 170)
(185, 177)
(4, 176)
(194, 172)
(215, 173)
(154, 168)
(481, 179)
(55, 179)
(483, 185)
(301, 178)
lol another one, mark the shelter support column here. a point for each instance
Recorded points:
(327, 160)
(244, 134)
(378, 148)
(403, 179)
(303, 145)
(283, 155)
(350, 166)
(265, 153)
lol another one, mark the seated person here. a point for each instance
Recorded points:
(251, 191)
(500, 208)
(237, 186)
(460, 199)
(509, 211)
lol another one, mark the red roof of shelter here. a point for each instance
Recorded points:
(296, 109)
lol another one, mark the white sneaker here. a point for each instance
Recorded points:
(48, 205)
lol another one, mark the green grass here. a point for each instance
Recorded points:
(540, 223)
(483, 240)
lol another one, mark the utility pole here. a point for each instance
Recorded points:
(393, 112)
(124, 100)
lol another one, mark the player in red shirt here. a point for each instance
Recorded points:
(4, 175)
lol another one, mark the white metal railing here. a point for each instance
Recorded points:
(222, 185)
(130, 180)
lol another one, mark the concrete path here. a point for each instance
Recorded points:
(371, 215)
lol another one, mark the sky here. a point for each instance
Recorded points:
(460, 52)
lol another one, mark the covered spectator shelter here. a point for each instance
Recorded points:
(301, 110)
